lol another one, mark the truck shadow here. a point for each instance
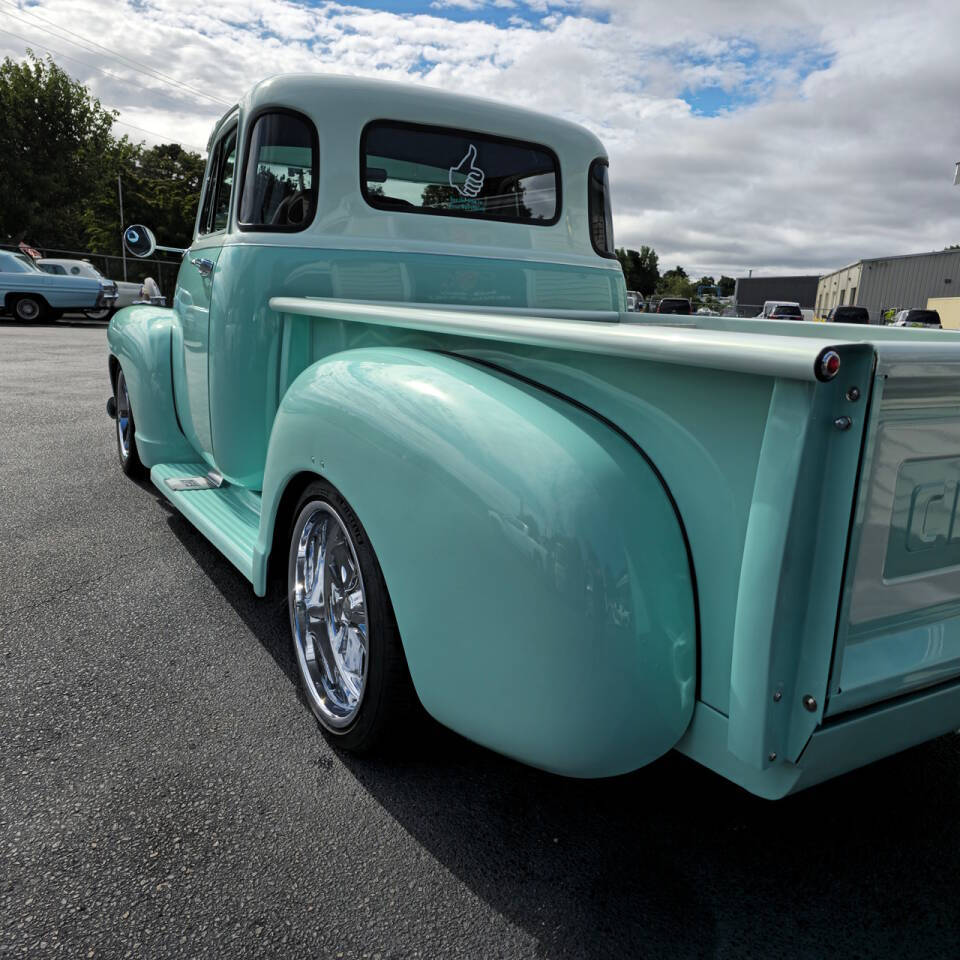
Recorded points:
(672, 860)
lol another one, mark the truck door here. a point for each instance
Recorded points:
(191, 327)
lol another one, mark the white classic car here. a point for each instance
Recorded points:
(30, 295)
(127, 291)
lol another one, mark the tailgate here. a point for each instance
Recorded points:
(899, 625)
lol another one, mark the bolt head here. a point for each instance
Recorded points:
(843, 423)
(778, 696)
(853, 394)
(809, 703)
(771, 756)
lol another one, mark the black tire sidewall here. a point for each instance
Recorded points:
(372, 722)
(132, 466)
(42, 309)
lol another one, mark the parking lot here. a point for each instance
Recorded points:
(164, 791)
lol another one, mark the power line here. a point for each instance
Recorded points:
(160, 136)
(67, 56)
(156, 74)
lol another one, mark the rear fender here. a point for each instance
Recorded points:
(139, 341)
(535, 562)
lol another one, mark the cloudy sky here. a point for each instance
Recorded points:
(785, 135)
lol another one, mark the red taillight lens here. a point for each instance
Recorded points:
(827, 365)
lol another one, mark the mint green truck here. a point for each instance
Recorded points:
(399, 374)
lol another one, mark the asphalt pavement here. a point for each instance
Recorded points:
(165, 792)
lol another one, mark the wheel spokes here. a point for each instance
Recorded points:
(330, 616)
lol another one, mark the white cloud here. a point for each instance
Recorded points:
(838, 140)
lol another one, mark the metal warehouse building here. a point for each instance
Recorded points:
(885, 282)
(751, 293)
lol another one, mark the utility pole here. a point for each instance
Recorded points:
(123, 249)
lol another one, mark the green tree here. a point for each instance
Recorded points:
(676, 283)
(59, 163)
(161, 187)
(55, 140)
(726, 286)
(641, 269)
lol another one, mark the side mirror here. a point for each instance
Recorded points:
(139, 240)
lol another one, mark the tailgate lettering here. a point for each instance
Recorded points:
(924, 528)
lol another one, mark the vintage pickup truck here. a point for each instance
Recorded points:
(399, 373)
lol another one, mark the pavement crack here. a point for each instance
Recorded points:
(76, 584)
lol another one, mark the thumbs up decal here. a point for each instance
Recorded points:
(466, 177)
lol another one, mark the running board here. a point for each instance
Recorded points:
(227, 515)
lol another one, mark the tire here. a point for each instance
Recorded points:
(345, 638)
(29, 308)
(103, 314)
(126, 431)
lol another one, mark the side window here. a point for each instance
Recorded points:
(215, 211)
(280, 173)
(203, 225)
(601, 217)
(221, 210)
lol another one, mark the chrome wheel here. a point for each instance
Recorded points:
(328, 614)
(124, 420)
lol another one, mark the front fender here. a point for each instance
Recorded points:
(535, 562)
(139, 339)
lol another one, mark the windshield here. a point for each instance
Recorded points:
(23, 258)
(786, 310)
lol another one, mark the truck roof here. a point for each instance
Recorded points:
(418, 103)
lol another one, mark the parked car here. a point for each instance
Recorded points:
(918, 318)
(29, 294)
(848, 314)
(403, 383)
(781, 310)
(127, 291)
(676, 305)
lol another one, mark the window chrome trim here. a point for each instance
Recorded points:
(314, 192)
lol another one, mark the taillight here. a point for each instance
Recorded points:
(827, 365)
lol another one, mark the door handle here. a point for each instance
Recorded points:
(203, 265)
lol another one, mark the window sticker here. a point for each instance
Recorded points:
(466, 177)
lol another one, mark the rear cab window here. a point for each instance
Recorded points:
(786, 310)
(456, 173)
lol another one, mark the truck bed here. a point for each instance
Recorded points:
(827, 575)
